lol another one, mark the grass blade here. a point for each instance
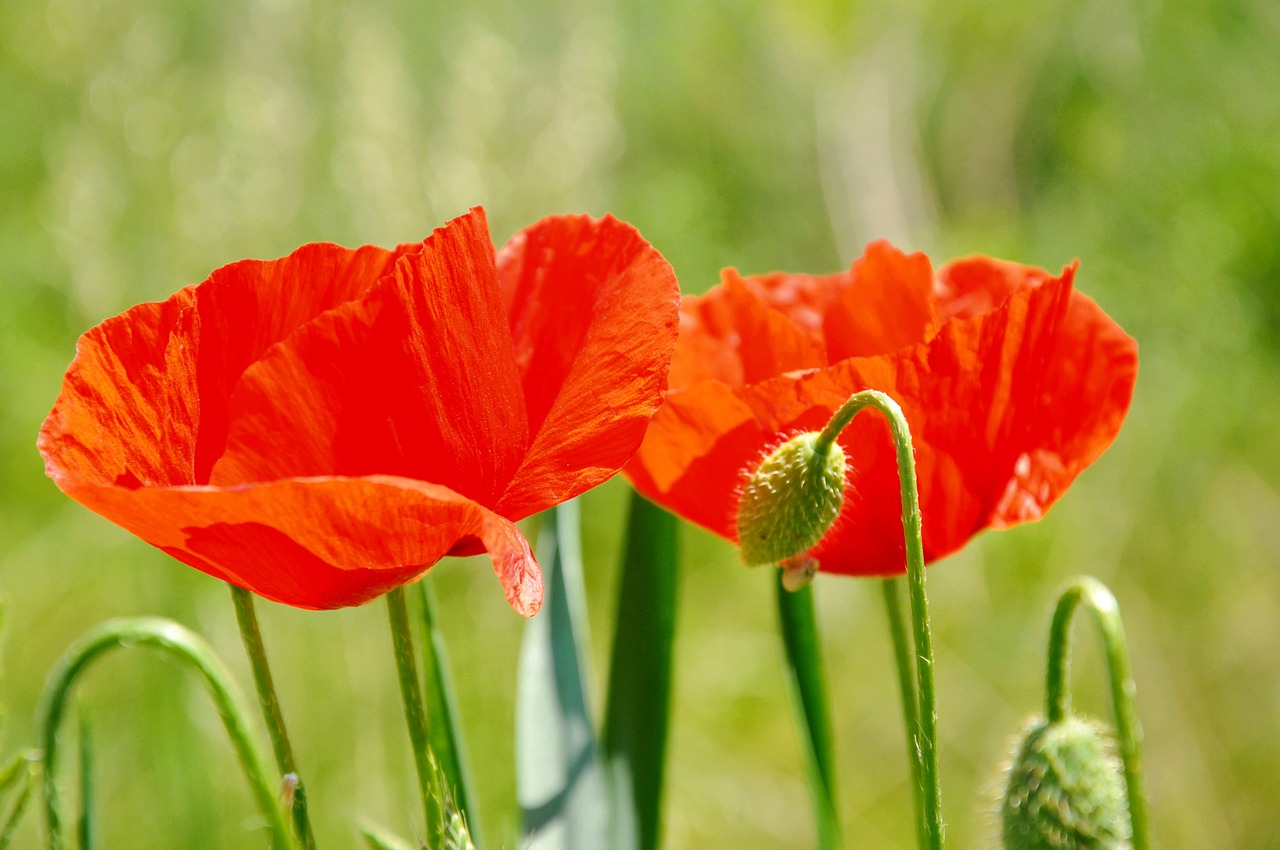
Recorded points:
(636, 718)
(560, 781)
(809, 690)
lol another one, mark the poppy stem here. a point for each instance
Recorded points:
(894, 591)
(415, 716)
(251, 636)
(186, 646)
(925, 731)
(1102, 604)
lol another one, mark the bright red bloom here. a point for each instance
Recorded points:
(322, 428)
(1011, 381)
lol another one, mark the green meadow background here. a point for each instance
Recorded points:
(143, 144)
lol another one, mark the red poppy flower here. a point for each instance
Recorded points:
(1012, 383)
(322, 428)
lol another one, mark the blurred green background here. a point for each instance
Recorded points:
(143, 144)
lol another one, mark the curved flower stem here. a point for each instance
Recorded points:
(893, 601)
(1106, 615)
(809, 688)
(926, 730)
(187, 647)
(415, 715)
(251, 635)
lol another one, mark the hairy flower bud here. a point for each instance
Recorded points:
(791, 500)
(1065, 790)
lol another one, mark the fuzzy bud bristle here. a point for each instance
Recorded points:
(1065, 790)
(791, 500)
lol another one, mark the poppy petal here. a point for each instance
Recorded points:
(321, 543)
(977, 285)
(888, 305)
(415, 379)
(1005, 407)
(144, 402)
(593, 316)
(731, 335)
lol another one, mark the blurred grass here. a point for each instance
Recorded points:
(142, 145)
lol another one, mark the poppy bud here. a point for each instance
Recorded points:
(791, 500)
(1065, 790)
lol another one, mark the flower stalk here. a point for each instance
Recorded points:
(924, 729)
(1101, 603)
(415, 715)
(255, 649)
(187, 647)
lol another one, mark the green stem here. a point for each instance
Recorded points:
(445, 728)
(415, 716)
(926, 731)
(894, 590)
(1106, 615)
(187, 647)
(28, 779)
(808, 687)
(251, 635)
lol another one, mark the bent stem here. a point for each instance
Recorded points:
(1106, 616)
(926, 726)
(187, 647)
(251, 635)
(809, 692)
(415, 716)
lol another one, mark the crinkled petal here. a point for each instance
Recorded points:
(884, 302)
(414, 379)
(1005, 409)
(732, 335)
(145, 401)
(976, 285)
(888, 305)
(593, 315)
(323, 542)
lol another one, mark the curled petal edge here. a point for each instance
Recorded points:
(325, 542)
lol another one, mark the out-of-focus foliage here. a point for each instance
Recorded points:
(143, 144)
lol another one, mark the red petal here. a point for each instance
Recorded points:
(144, 402)
(977, 285)
(323, 542)
(802, 298)
(1006, 408)
(693, 458)
(889, 304)
(731, 335)
(415, 379)
(593, 315)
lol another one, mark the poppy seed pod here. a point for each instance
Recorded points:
(791, 500)
(1065, 790)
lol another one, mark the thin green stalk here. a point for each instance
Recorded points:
(187, 647)
(1106, 616)
(809, 689)
(27, 777)
(88, 799)
(926, 731)
(251, 635)
(447, 741)
(415, 716)
(894, 590)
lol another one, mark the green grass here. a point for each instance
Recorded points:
(143, 145)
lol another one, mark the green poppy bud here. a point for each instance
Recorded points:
(1065, 790)
(791, 500)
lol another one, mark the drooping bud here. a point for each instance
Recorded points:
(1065, 790)
(791, 500)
